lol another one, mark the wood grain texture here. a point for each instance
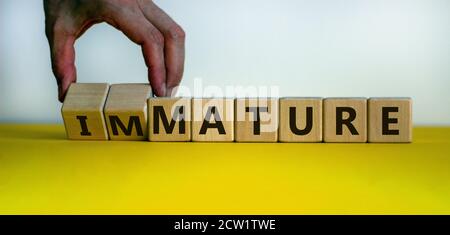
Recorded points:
(293, 120)
(390, 120)
(256, 120)
(169, 119)
(126, 111)
(82, 111)
(336, 109)
(221, 119)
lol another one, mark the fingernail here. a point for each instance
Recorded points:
(160, 92)
(172, 91)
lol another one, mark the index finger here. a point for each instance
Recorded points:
(174, 42)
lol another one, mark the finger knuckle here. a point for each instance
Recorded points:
(176, 33)
(51, 27)
(157, 37)
(55, 29)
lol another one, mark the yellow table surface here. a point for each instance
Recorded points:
(41, 172)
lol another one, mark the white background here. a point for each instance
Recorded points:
(307, 48)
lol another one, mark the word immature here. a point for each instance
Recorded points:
(125, 112)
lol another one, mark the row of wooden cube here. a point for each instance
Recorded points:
(129, 112)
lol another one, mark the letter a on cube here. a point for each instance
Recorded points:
(213, 119)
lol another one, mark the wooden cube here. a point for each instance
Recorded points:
(169, 119)
(390, 120)
(82, 111)
(300, 120)
(345, 120)
(126, 111)
(213, 119)
(256, 120)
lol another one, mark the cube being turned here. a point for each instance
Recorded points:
(169, 119)
(256, 120)
(213, 119)
(390, 120)
(126, 111)
(82, 111)
(345, 120)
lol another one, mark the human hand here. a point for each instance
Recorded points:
(162, 39)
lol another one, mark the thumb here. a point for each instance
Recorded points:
(63, 60)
